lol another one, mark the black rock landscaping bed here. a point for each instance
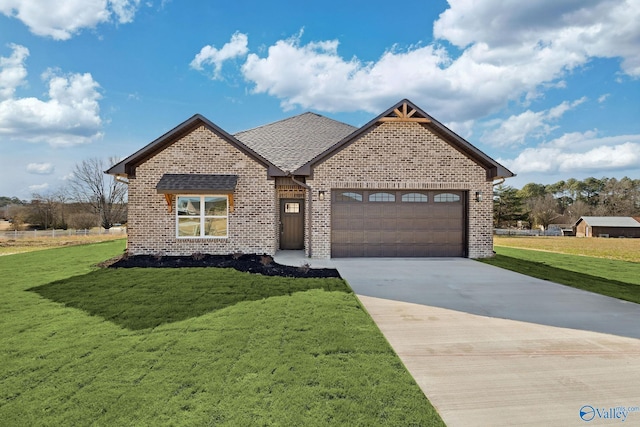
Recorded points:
(251, 263)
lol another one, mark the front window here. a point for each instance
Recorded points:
(202, 216)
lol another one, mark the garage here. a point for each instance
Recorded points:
(389, 223)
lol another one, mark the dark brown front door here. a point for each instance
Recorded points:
(291, 224)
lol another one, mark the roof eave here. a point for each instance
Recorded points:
(127, 166)
(493, 168)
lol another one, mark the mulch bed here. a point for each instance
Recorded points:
(251, 263)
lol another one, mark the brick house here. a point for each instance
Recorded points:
(401, 185)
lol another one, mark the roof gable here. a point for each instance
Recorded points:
(291, 142)
(406, 111)
(128, 166)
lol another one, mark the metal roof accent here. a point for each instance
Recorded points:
(610, 221)
(291, 142)
(172, 183)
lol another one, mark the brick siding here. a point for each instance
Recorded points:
(252, 223)
(402, 156)
(387, 156)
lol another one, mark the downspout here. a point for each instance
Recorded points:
(310, 195)
(502, 180)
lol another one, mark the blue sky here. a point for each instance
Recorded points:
(550, 88)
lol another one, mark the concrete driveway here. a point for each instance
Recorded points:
(473, 287)
(491, 347)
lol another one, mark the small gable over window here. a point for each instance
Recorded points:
(172, 183)
(178, 183)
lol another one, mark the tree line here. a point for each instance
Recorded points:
(539, 205)
(88, 199)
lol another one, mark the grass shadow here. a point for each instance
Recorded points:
(141, 298)
(599, 285)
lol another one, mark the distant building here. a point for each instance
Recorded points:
(607, 226)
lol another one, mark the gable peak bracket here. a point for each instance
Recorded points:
(404, 114)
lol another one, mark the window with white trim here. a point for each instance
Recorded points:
(202, 216)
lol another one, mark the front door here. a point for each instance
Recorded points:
(292, 224)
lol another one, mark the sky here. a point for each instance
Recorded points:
(548, 88)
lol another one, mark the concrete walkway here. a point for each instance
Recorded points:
(490, 347)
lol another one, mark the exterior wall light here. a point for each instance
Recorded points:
(320, 195)
(478, 196)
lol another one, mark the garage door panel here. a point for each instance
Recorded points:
(413, 228)
(373, 251)
(373, 237)
(370, 223)
(404, 224)
(387, 224)
(389, 237)
(407, 236)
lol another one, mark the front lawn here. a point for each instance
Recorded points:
(83, 346)
(618, 279)
(597, 247)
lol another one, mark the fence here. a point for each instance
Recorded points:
(512, 232)
(35, 234)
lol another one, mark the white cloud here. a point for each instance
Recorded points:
(518, 128)
(314, 75)
(209, 55)
(62, 20)
(575, 153)
(70, 115)
(38, 187)
(577, 28)
(547, 40)
(13, 71)
(40, 168)
(603, 98)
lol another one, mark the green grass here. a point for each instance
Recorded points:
(618, 279)
(139, 347)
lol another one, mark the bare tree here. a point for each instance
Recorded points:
(578, 209)
(44, 208)
(544, 210)
(101, 193)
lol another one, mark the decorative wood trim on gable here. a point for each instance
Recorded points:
(404, 114)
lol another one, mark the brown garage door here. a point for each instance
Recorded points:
(383, 223)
